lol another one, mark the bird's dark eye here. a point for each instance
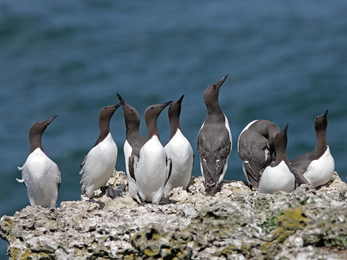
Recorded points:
(152, 108)
(105, 108)
(317, 118)
(37, 123)
(171, 105)
(131, 110)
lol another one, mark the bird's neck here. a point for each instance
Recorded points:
(35, 142)
(104, 131)
(174, 125)
(322, 142)
(214, 108)
(152, 129)
(132, 129)
(215, 117)
(281, 157)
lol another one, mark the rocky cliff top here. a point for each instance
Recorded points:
(235, 223)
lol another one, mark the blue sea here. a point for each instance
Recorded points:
(286, 60)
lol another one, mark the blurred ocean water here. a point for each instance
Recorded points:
(287, 62)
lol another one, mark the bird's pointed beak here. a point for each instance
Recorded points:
(120, 98)
(180, 100)
(285, 129)
(119, 104)
(224, 78)
(49, 120)
(164, 105)
(220, 82)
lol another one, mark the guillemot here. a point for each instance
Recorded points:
(277, 176)
(39, 173)
(153, 166)
(100, 162)
(214, 142)
(179, 150)
(256, 149)
(318, 165)
(132, 145)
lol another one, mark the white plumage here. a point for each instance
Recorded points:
(151, 172)
(181, 153)
(127, 153)
(42, 177)
(320, 171)
(131, 182)
(278, 178)
(99, 165)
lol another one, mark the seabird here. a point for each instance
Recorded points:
(132, 145)
(39, 173)
(277, 176)
(214, 142)
(100, 162)
(153, 167)
(256, 149)
(179, 150)
(318, 165)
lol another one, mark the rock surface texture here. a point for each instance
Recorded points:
(235, 223)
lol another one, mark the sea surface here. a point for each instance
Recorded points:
(286, 60)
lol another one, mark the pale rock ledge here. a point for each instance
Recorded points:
(235, 223)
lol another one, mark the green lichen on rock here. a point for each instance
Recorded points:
(288, 222)
(269, 224)
(291, 219)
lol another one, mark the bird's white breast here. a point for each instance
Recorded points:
(36, 166)
(100, 164)
(131, 182)
(320, 171)
(181, 153)
(127, 153)
(179, 148)
(278, 178)
(152, 158)
(103, 154)
(41, 176)
(151, 170)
